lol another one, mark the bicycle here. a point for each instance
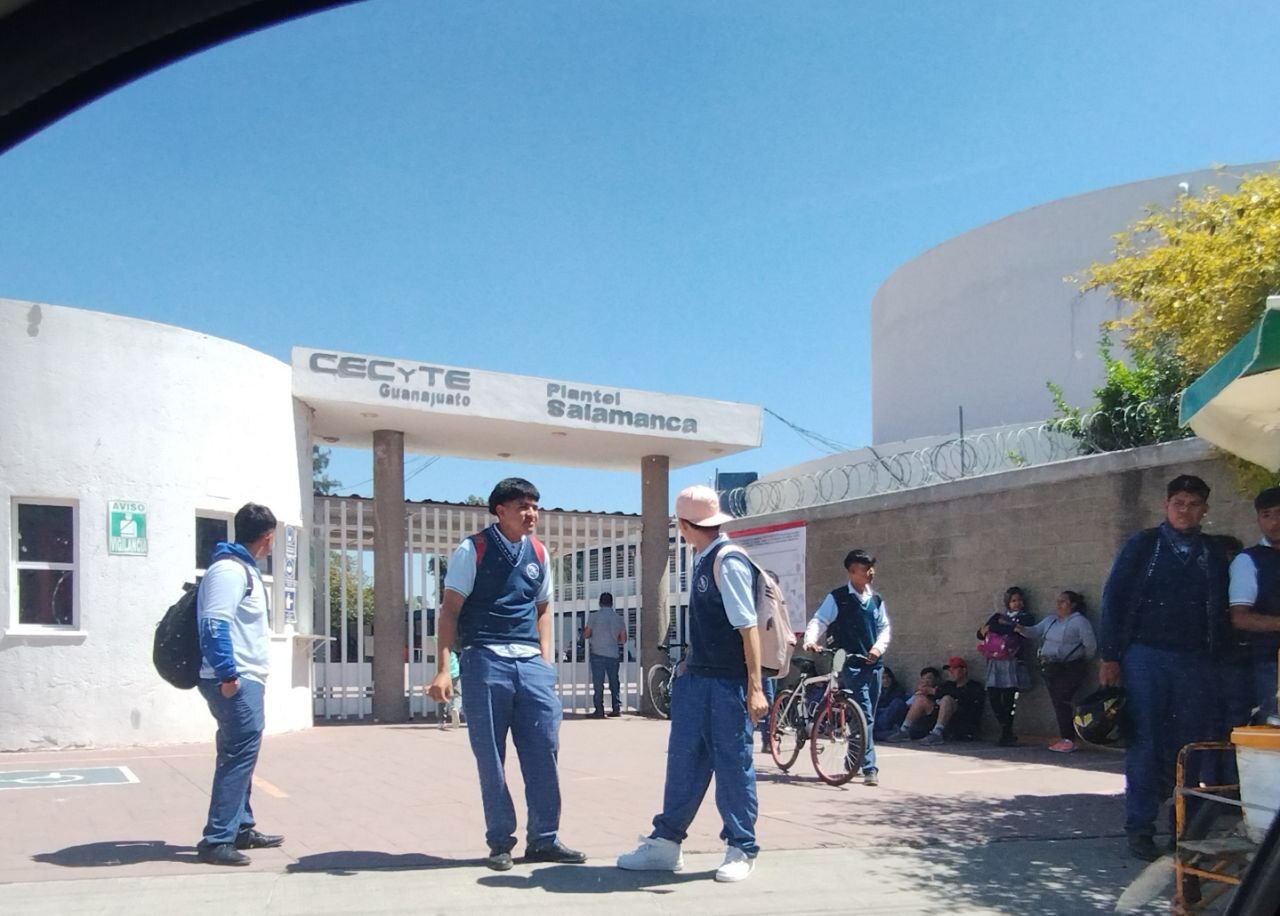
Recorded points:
(838, 742)
(658, 680)
(817, 711)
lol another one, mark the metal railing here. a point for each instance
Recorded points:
(985, 452)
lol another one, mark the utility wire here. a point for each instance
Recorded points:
(817, 440)
(427, 461)
(426, 464)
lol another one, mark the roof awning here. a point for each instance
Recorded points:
(1236, 403)
(472, 413)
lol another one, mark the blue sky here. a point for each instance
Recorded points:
(699, 198)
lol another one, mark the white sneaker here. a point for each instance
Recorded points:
(653, 854)
(736, 866)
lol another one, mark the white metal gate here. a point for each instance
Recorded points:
(590, 552)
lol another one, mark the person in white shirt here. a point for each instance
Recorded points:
(855, 616)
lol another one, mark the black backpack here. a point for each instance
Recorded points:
(176, 649)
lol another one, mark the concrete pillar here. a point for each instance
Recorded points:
(389, 629)
(655, 520)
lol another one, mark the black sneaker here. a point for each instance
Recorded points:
(598, 714)
(252, 839)
(617, 713)
(499, 859)
(1142, 846)
(1008, 739)
(221, 854)
(556, 852)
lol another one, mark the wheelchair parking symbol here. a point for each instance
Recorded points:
(65, 778)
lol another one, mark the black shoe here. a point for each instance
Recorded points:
(221, 854)
(557, 852)
(252, 839)
(499, 859)
(598, 714)
(1008, 739)
(616, 714)
(1142, 846)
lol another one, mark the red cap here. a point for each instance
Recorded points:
(956, 661)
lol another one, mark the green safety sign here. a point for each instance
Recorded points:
(127, 528)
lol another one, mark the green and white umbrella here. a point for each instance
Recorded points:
(1236, 403)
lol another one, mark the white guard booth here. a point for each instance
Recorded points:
(127, 446)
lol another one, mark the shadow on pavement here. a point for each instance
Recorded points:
(1108, 759)
(351, 861)
(599, 879)
(117, 852)
(1061, 854)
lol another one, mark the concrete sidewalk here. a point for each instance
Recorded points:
(386, 819)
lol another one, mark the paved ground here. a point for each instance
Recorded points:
(386, 819)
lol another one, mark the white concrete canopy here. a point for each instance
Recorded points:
(447, 410)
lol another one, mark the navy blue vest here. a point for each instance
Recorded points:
(715, 648)
(1267, 562)
(502, 606)
(1171, 609)
(854, 628)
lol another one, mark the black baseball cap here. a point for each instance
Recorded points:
(1188, 483)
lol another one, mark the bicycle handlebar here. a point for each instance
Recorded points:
(863, 659)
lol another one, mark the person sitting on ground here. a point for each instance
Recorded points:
(959, 702)
(1007, 673)
(892, 709)
(1068, 644)
(922, 708)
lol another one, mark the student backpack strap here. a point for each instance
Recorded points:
(734, 550)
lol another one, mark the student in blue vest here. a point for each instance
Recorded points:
(497, 610)
(1164, 614)
(1255, 602)
(715, 704)
(854, 615)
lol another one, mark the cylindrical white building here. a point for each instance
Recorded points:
(983, 320)
(123, 444)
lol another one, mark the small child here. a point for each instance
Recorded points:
(454, 708)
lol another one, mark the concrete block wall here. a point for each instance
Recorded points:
(945, 554)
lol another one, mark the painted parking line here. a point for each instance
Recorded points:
(272, 790)
(66, 778)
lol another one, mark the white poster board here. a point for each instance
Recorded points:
(780, 550)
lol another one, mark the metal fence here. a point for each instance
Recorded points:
(985, 452)
(590, 553)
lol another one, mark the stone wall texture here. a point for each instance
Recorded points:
(945, 554)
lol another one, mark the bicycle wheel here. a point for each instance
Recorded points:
(839, 741)
(786, 730)
(659, 684)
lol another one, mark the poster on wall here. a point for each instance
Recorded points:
(127, 528)
(290, 574)
(780, 550)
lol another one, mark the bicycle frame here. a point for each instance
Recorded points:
(808, 711)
